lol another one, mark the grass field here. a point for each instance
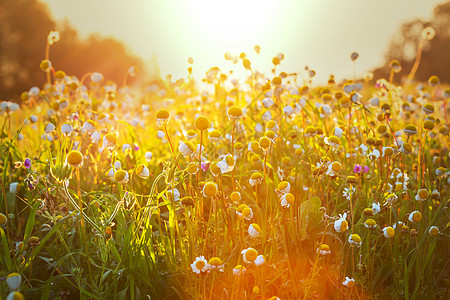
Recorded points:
(254, 189)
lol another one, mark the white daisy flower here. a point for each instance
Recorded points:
(349, 282)
(341, 224)
(200, 264)
(254, 230)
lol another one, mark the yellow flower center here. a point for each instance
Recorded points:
(235, 111)
(202, 123)
(74, 158)
(344, 226)
(417, 216)
(251, 254)
(356, 238)
(215, 261)
(162, 114)
(210, 189)
(200, 264)
(235, 196)
(390, 231)
(371, 222)
(264, 142)
(423, 194)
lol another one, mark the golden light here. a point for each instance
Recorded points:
(233, 23)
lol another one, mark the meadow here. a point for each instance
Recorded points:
(270, 187)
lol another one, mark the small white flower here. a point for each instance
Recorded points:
(49, 128)
(160, 135)
(374, 101)
(375, 154)
(338, 132)
(226, 163)
(200, 265)
(260, 260)
(341, 224)
(350, 282)
(254, 230)
(148, 156)
(288, 110)
(267, 116)
(96, 77)
(13, 187)
(95, 137)
(13, 281)
(87, 127)
(267, 102)
(33, 118)
(67, 129)
(376, 208)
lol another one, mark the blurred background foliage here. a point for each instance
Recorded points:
(24, 26)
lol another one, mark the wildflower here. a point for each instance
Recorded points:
(338, 132)
(142, 171)
(202, 123)
(148, 156)
(96, 77)
(210, 189)
(249, 255)
(235, 196)
(406, 148)
(244, 212)
(260, 260)
(173, 195)
(15, 295)
(214, 136)
(109, 141)
(162, 117)
(375, 154)
(334, 168)
(428, 109)
(415, 216)
(350, 179)
(323, 249)
(256, 178)
(264, 143)
(388, 232)
(354, 56)
(387, 151)
(234, 113)
(434, 231)
(422, 195)
(27, 163)
(67, 129)
(254, 230)
(332, 141)
(286, 200)
(74, 158)
(267, 102)
(53, 37)
(390, 198)
(95, 137)
(226, 163)
(283, 187)
(121, 176)
(33, 241)
(354, 240)
(49, 128)
(349, 282)
(215, 263)
(435, 194)
(186, 148)
(341, 224)
(410, 130)
(3, 220)
(349, 192)
(88, 126)
(200, 265)
(375, 101)
(239, 270)
(370, 223)
(192, 168)
(376, 207)
(288, 110)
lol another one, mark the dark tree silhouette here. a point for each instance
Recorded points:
(24, 26)
(435, 59)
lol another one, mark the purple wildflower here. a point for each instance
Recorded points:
(365, 169)
(205, 166)
(357, 168)
(136, 147)
(27, 163)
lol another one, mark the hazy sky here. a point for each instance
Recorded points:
(317, 33)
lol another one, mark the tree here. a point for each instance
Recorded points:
(24, 26)
(435, 59)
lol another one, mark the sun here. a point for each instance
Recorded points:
(234, 23)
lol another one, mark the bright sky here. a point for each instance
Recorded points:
(317, 33)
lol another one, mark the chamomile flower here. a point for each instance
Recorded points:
(244, 212)
(249, 255)
(283, 188)
(434, 231)
(216, 263)
(226, 163)
(415, 216)
(186, 148)
(3, 220)
(239, 270)
(148, 156)
(13, 280)
(422, 195)
(49, 128)
(332, 141)
(210, 189)
(388, 232)
(286, 200)
(354, 240)
(349, 192)
(200, 265)
(370, 224)
(67, 129)
(349, 282)
(142, 171)
(341, 225)
(333, 169)
(323, 249)
(121, 176)
(254, 230)
(376, 207)
(256, 178)
(260, 260)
